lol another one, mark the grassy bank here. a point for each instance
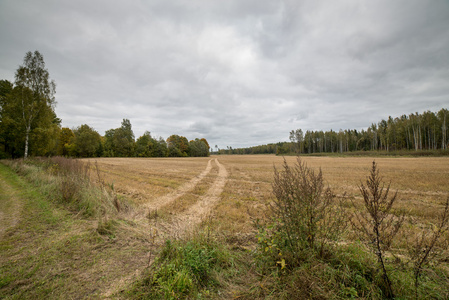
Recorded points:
(60, 248)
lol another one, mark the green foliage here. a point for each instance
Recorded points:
(34, 96)
(147, 146)
(28, 123)
(178, 146)
(158, 148)
(66, 142)
(184, 269)
(378, 225)
(426, 247)
(291, 263)
(426, 131)
(307, 217)
(86, 143)
(124, 140)
(199, 148)
(66, 181)
(120, 142)
(143, 145)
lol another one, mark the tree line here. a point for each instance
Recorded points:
(29, 125)
(425, 131)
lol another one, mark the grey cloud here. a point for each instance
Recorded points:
(238, 73)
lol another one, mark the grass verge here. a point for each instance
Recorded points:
(52, 252)
(197, 267)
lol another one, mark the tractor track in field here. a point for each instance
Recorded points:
(184, 222)
(183, 189)
(188, 219)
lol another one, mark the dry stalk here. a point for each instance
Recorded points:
(424, 249)
(378, 226)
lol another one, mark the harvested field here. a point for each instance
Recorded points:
(209, 202)
(178, 187)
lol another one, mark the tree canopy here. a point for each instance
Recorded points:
(177, 145)
(87, 142)
(120, 141)
(28, 120)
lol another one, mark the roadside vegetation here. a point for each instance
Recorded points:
(68, 237)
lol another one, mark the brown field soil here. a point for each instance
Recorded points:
(234, 188)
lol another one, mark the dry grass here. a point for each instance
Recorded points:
(422, 184)
(143, 180)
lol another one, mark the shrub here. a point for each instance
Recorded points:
(67, 181)
(306, 217)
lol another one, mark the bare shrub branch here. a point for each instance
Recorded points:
(377, 225)
(306, 208)
(424, 249)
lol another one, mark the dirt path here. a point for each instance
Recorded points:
(187, 220)
(179, 224)
(188, 186)
(10, 207)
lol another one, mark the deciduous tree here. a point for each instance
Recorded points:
(177, 145)
(87, 141)
(34, 95)
(199, 148)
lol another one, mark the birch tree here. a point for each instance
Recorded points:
(35, 92)
(442, 116)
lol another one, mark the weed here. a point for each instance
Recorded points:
(184, 269)
(378, 226)
(424, 247)
(306, 216)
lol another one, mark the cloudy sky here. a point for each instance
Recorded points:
(236, 72)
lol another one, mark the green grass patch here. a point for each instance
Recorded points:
(194, 268)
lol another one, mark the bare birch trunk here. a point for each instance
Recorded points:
(443, 128)
(27, 137)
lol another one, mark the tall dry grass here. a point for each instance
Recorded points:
(67, 181)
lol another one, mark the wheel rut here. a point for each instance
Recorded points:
(184, 222)
(183, 189)
(10, 207)
(188, 219)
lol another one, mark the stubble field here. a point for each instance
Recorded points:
(50, 250)
(230, 191)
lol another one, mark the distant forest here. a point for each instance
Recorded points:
(29, 125)
(418, 132)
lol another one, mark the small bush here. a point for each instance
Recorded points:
(426, 246)
(306, 217)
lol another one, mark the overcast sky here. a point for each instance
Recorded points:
(238, 73)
